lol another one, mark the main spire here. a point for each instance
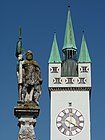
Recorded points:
(69, 40)
(69, 64)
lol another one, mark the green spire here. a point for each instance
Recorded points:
(84, 55)
(69, 40)
(54, 56)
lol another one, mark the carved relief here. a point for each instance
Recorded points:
(69, 81)
(81, 81)
(84, 69)
(26, 134)
(57, 80)
(54, 69)
(26, 129)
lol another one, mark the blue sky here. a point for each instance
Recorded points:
(39, 20)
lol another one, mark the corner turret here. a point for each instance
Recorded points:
(54, 63)
(84, 64)
(84, 54)
(55, 56)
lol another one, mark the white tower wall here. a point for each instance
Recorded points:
(61, 100)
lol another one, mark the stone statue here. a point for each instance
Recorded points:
(30, 89)
(28, 74)
(31, 79)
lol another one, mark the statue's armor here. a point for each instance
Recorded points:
(31, 78)
(29, 75)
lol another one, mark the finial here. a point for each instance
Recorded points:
(54, 34)
(20, 33)
(68, 3)
(83, 31)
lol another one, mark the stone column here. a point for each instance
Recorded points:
(27, 115)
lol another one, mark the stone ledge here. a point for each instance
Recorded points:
(26, 110)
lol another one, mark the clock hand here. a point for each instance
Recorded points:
(72, 123)
(68, 123)
(69, 120)
(75, 124)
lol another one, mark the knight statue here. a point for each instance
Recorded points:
(28, 73)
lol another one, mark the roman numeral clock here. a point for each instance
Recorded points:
(69, 88)
(70, 122)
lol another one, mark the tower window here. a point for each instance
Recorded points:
(54, 70)
(70, 56)
(69, 81)
(83, 69)
(57, 81)
(82, 81)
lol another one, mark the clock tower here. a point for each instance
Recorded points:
(69, 88)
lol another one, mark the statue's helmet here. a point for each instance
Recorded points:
(29, 55)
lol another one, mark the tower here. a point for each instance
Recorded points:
(69, 88)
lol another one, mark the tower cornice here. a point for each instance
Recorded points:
(69, 88)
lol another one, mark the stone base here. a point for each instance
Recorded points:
(27, 109)
(27, 125)
(27, 114)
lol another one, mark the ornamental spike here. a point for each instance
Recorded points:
(20, 33)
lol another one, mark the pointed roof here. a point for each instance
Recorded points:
(54, 56)
(69, 40)
(84, 54)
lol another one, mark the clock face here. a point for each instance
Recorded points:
(70, 122)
